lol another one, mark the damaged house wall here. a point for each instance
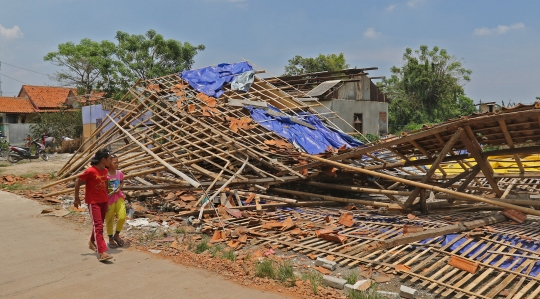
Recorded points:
(348, 97)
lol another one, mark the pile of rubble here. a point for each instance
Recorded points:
(263, 167)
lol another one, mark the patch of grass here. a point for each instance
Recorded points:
(215, 250)
(4, 165)
(229, 255)
(315, 280)
(265, 269)
(180, 231)
(202, 247)
(351, 277)
(52, 175)
(28, 175)
(152, 235)
(13, 187)
(370, 293)
(247, 257)
(285, 274)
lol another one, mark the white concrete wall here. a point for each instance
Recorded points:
(346, 110)
(16, 133)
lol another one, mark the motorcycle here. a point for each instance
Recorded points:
(18, 153)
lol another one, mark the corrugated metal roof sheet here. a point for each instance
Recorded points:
(322, 88)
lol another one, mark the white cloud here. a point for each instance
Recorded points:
(413, 3)
(391, 7)
(371, 33)
(501, 29)
(14, 32)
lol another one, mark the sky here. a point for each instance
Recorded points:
(498, 40)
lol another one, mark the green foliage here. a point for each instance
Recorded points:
(299, 65)
(265, 269)
(352, 277)
(229, 254)
(106, 66)
(428, 88)
(87, 65)
(28, 175)
(202, 247)
(285, 273)
(215, 250)
(12, 187)
(315, 280)
(58, 124)
(4, 143)
(367, 138)
(52, 175)
(370, 293)
(180, 231)
(150, 55)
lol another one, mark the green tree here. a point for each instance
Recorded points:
(299, 65)
(88, 65)
(57, 124)
(428, 88)
(150, 55)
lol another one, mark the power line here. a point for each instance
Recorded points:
(22, 68)
(13, 78)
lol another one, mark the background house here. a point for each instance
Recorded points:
(15, 117)
(48, 98)
(350, 93)
(18, 113)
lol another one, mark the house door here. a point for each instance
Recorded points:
(358, 122)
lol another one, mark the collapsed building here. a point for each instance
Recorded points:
(252, 158)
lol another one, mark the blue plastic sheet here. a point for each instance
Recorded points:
(507, 263)
(210, 80)
(312, 141)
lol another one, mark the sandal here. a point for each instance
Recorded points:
(118, 241)
(104, 258)
(92, 246)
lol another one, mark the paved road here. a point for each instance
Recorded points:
(46, 258)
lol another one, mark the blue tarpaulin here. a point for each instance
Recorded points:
(312, 141)
(210, 80)
(507, 263)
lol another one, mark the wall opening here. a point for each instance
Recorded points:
(358, 122)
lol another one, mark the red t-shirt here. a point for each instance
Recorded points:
(96, 185)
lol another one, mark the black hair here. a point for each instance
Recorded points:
(100, 154)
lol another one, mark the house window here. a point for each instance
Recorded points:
(358, 121)
(12, 118)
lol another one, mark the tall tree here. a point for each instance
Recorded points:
(150, 55)
(299, 65)
(88, 65)
(428, 88)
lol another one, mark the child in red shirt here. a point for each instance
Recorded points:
(96, 197)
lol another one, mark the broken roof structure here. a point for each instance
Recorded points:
(186, 148)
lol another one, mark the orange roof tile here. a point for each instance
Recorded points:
(16, 105)
(46, 96)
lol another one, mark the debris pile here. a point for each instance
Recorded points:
(261, 167)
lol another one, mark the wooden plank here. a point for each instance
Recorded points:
(474, 148)
(510, 143)
(447, 147)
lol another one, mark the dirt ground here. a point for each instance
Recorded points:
(55, 163)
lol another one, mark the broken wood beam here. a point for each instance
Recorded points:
(338, 199)
(167, 165)
(447, 147)
(425, 186)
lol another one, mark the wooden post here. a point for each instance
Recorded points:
(474, 149)
(447, 147)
